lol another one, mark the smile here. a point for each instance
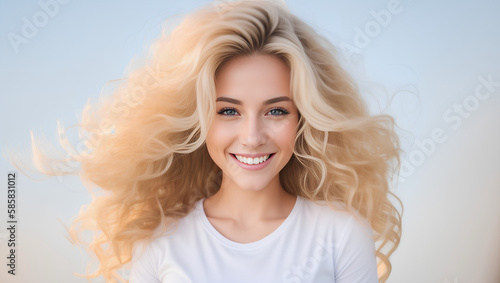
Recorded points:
(253, 163)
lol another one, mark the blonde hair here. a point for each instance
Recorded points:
(145, 144)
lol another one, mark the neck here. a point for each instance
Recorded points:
(250, 206)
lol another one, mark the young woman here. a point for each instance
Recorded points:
(241, 152)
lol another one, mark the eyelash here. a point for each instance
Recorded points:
(283, 111)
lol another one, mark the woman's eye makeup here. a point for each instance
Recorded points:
(278, 111)
(229, 111)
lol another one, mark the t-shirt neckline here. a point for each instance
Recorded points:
(253, 245)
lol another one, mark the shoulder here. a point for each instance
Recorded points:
(337, 219)
(333, 211)
(351, 236)
(168, 227)
(144, 263)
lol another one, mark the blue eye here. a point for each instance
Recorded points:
(227, 111)
(278, 111)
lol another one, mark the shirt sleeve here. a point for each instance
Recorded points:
(355, 259)
(144, 264)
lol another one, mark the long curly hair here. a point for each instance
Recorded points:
(143, 148)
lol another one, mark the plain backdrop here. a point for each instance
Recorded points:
(433, 65)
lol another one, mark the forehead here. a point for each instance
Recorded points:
(254, 76)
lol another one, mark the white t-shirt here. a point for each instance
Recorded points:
(313, 244)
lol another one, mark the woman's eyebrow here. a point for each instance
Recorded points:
(269, 101)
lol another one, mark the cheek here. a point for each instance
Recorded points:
(218, 137)
(284, 134)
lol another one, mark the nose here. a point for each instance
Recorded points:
(253, 132)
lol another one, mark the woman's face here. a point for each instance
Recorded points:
(252, 135)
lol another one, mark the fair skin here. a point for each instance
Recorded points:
(255, 115)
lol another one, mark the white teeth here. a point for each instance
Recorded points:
(252, 161)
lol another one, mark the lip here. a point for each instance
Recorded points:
(253, 167)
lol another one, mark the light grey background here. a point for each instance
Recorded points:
(423, 64)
